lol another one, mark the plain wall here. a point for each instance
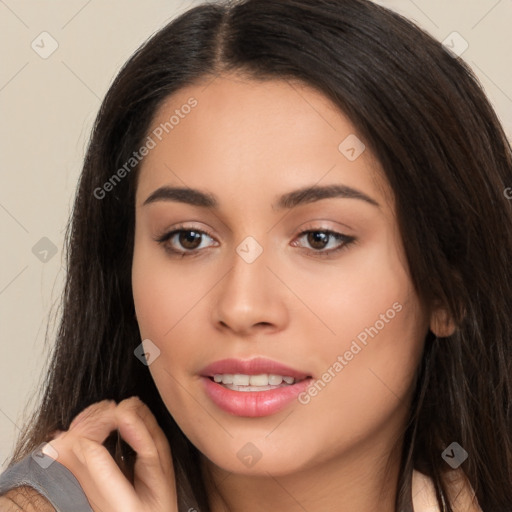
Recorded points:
(47, 107)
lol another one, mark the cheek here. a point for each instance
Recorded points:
(372, 379)
(163, 293)
(373, 333)
(164, 306)
(356, 296)
(156, 305)
(364, 387)
(168, 301)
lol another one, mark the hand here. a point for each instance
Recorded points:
(80, 449)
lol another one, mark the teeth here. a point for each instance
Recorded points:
(241, 380)
(258, 380)
(275, 380)
(264, 379)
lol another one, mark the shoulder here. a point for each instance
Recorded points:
(461, 494)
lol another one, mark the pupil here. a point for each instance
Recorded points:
(318, 239)
(190, 239)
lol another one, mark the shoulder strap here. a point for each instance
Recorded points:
(49, 478)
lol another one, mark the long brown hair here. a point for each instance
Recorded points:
(424, 115)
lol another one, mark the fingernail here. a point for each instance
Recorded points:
(49, 450)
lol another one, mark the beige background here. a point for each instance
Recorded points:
(47, 109)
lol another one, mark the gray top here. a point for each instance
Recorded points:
(49, 478)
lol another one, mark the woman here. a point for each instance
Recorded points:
(300, 209)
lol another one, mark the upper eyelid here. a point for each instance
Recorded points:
(178, 229)
(168, 235)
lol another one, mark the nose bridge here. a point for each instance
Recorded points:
(248, 278)
(247, 296)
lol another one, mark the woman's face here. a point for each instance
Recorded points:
(257, 273)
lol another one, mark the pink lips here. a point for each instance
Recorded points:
(252, 403)
(255, 366)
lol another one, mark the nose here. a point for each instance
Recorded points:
(250, 299)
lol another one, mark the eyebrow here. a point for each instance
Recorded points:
(183, 195)
(316, 193)
(289, 200)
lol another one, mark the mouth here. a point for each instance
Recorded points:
(255, 367)
(262, 382)
(257, 387)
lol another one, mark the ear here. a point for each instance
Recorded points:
(442, 323)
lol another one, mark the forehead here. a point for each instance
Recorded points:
(252, 135)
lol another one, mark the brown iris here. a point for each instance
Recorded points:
(318, 239)
(190, 239)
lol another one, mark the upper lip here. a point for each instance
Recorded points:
(255, 366)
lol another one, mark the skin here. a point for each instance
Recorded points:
(248, 142)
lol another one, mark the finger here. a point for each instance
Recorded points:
(96, 470)
(96, 421)
(88, 411)
(154, 479)
(93, 467)
(135, 432)
(155, 432)
(81, 450)
(153, 484)
(101, 478)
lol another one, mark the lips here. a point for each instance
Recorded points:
(253, 404)
(255, 366)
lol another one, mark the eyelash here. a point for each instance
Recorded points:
(162, 239)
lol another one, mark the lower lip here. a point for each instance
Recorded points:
(253, 403)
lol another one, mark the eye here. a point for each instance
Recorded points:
(184, 241)
(188, 241)
(324, 241)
